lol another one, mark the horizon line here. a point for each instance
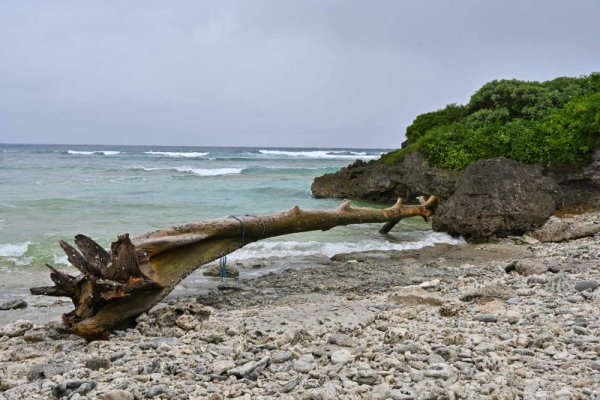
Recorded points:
(212, 146)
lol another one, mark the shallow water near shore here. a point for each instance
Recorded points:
(49, 193)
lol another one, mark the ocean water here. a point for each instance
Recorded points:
(53, 192)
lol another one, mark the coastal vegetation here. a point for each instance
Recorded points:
(555, 122)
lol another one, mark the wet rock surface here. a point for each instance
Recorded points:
(14, 305)
(338, 331)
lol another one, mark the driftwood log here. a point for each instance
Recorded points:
(118, 285)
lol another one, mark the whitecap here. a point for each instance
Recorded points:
(194, 171)
(328, 154)
(147, 168)
(21, 261)
(210, 172)
(88, 153)
(13, 250)
(176, 154)
(61, 259)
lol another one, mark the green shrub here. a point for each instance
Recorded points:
(553, 122)
(425, 122)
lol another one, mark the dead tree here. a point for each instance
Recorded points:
(118, 285)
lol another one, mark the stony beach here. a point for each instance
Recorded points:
(515, 318)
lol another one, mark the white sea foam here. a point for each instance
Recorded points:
(148, 168)
(20, 261)
(61, 259)
(295, 248)
(331, 154)
(88, 153)
(211, 172)
(176, 154)
(195, 171)
(13, 250)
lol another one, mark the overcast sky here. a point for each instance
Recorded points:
(269, 73)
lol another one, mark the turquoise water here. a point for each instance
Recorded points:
(49, 193)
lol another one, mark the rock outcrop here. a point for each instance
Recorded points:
(579, 185)
(498, 197)
(562, 229)
(491, 197)
(376, 181)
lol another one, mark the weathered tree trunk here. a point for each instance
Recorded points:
(116, 287)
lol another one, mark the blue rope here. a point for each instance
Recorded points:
(243, 228)
(223, 261)
(223, 268)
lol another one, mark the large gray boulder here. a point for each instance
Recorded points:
(377, 181)
(498, 197)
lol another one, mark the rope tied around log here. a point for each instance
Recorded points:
(223, 260)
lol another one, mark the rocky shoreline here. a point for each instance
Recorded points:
(514, 319)
(490, 198)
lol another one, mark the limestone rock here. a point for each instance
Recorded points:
(498, 197)
(47, 371)
(414, 295)
(282, 356)
(35, 335)
(215, 270)
(341, 340)
(97, 363)
(155, 391)
(341, 357)
(489, 293)
(585, 285)
(221, 366)
(396, 335)
(116, 394)
(72, 388)
(251, 369)
(439, 371)
(167, 316)
(305, 364)
(367, 377)
(17, 328)
(580, 185)
(558, 230)
(187, 322)
(451, 309)
(14, 305)
(380, 182)
(531, 266)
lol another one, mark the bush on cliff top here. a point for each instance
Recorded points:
(550, 123)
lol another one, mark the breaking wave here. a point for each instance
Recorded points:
(195, 171)
(177, 154)
(88, 153)
(13, 250)
(331, 154)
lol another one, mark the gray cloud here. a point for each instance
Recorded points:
(279, 73)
